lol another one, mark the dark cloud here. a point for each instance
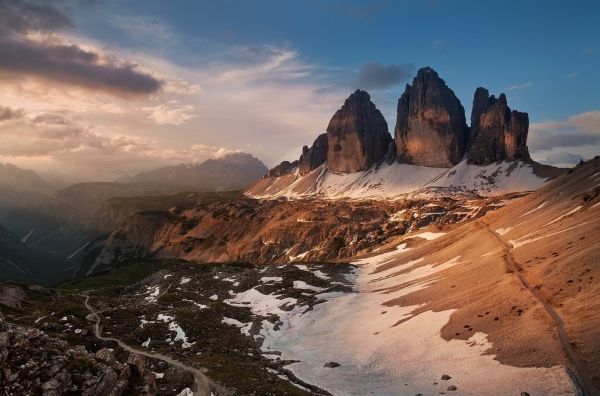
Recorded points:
(374, 75)
(73, 65)
(70, 64)
(18, 16)
(6, 113)
(563, 158)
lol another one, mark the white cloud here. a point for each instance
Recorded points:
(519, 86)
(170, 113)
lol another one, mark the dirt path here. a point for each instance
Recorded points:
(201, 381)
(581, 374)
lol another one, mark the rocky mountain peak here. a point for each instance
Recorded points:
(497, 133)
(357, 135)
(431, 129)
(314, 156)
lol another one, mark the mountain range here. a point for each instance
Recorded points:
(230, 172)
(433, 148)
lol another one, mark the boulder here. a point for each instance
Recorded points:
(497, 133)
(357, 135)
(431, 129)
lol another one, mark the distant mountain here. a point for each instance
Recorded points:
(22, 180)
(232, 172)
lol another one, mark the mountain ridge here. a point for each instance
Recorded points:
(431, 132)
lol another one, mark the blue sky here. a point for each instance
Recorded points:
(167, 82)
(539, 53)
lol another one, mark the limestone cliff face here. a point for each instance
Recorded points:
(431, 129)
(314, 156)
(497, 133)
(357, 135)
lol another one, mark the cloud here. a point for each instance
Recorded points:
(576, 131)
(18, 16)
(70, 64)
(29, 47)
(54, 141)
(170, 113)
(563, 158)
(519, 86)
(374, 75)
(7, 113)
(571, 76)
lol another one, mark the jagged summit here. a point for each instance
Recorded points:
(430, 127)
(431, 131)
(357, 135)
(497, 133)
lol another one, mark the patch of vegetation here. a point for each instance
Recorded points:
(125, 274)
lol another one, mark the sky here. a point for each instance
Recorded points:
(94, 90)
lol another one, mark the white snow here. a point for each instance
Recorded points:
(78, 250)
(146, 343)
(266, 279)
(214, 297)
(301, 267)
(559, 218)
(259, 303)
(391, 181)
(540, 206)
(164, 318)
(201, 306)
(244, 327)
(152, 293)
(320, 274)
(504, 230)
(379, 355)
(184, 281)
(26, 237)
(158, 375)
(186, 392)
(430, 236)
(301, 285)
(173, 326)
(167, 276)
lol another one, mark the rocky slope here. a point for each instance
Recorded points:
(280, 231)
(430, 129)
(357, 135)
(497, 133)
(231, 172)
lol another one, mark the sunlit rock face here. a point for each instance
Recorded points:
(431, 129)
(357, 135)
(497, 133)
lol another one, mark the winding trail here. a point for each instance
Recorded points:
(581, 373)
(201, 381)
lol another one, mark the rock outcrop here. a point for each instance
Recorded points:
(282, 169)
(34, 363)
(357, 135)
(314, 156)
(431, 129)
(497, 133)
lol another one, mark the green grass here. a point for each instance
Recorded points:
(123, 275)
